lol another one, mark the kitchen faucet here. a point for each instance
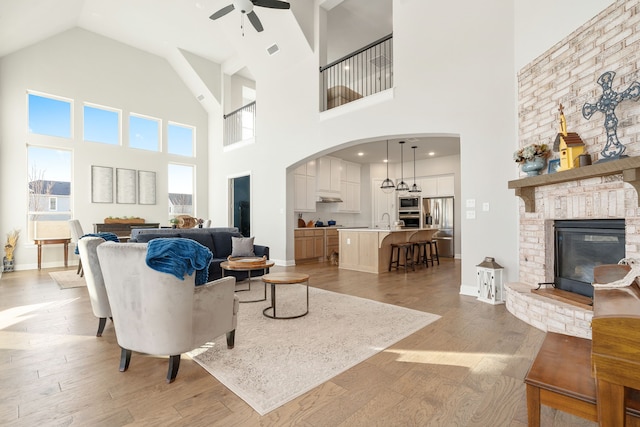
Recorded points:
(388, 219)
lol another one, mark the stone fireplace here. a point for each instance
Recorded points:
(601, 192)
(567, 74)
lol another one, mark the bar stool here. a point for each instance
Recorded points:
(433, 252)
(420, 250)
(408, 256)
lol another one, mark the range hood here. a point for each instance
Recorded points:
(329, 199)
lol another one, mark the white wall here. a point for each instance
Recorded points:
(83, 66)
(446, 82)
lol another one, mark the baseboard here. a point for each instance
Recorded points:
(471, 291)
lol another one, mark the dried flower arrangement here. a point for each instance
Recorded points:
(12, 240)
(530, 152)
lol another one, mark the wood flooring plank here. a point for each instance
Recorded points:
(464, 369)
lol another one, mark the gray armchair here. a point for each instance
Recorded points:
(87, 247)
(157, 313)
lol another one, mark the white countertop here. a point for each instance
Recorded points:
(386, 230)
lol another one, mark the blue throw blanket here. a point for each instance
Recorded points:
(179, 256)
(110, 237)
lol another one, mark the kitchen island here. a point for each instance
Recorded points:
(369, 249)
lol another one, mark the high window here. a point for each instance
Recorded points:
(144, 132)
(49, 115)
(101, 125)
(180, 139)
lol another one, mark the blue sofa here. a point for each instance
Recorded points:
(218, 240)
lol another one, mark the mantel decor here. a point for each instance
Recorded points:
(629, 167)
(607, 104)
(533, 158)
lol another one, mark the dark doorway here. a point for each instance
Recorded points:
(241, 196)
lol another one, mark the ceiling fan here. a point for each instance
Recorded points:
(246, 8)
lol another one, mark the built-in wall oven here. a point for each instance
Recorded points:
(409, 211)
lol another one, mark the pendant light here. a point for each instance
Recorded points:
(402, 186)
(387, 185)
(415, 188)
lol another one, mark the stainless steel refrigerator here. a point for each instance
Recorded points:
(438, 212)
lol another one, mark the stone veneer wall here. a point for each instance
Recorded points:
(567, 74)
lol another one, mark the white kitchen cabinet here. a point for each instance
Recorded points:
(350, 188)
(305, 188)
(328, 175)
(437, 186)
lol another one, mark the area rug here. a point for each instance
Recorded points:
(275, 361)
(68, 279)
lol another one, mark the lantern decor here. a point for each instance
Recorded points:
(489, 281)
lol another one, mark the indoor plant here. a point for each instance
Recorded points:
(532, 157)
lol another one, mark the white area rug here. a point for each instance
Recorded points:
(275, 361)
(68, 279)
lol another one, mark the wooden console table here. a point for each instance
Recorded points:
(122, 229)
(53, 241)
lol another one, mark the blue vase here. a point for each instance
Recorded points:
(534, 166)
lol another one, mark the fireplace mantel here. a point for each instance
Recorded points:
(629, 167)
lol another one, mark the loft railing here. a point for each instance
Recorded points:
(239, 125)
(364, 72)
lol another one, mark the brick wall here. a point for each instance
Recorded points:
(567, 74)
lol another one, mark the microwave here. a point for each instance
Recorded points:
(409, 203)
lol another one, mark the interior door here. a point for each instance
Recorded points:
(240, 203)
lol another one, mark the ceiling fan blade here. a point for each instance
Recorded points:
(222, 12)
(253, 18)
(273, 4)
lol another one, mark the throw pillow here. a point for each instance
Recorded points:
(242, 246)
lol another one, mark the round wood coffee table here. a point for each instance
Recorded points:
(226, 266)
(284, 278)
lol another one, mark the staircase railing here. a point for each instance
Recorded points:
(364, 72)
(239, 125)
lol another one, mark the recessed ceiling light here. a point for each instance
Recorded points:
(431, 153)
(385, 161)
(361, 154)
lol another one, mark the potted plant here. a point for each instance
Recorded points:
(532, 157)
(174, 222)
(9, 247)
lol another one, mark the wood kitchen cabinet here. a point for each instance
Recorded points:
(332, 241)
(308, 244)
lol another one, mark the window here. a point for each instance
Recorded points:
(49, 190)
(49, 116)
(180, 189)
(144, 133)
(180, 139)
(101, 125)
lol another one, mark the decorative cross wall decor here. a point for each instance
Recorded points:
(607, 104)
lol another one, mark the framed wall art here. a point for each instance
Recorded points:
(554, 165)
(146, 188)
(126, 186)
(101, 184)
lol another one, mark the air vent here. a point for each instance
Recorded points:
(273, 49)
(200, 97)
(381, 61)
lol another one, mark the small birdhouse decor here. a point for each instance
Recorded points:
(489, 281)
(568, 144)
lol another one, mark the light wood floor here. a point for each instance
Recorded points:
(466, 369)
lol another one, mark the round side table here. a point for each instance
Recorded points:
(284, 278)
(228, 267)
